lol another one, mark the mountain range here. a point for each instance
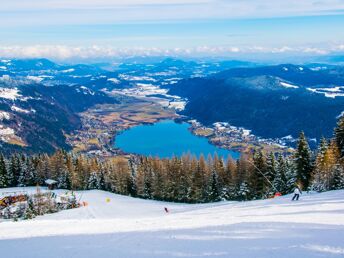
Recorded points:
(40, 100)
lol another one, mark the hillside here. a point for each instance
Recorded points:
(34, 118)
(273, 101)
(127, 227)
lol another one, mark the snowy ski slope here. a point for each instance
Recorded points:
(133, 228)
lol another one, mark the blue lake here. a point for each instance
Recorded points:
(166, 139)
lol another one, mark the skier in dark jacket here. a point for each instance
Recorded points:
(297, 193)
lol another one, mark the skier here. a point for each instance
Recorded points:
(297, 193)
(166, 210)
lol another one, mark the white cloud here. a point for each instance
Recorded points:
(63, 52)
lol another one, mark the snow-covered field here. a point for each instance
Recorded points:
(134, 228)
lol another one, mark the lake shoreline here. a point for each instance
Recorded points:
(180, 128)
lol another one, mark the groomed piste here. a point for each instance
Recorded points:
(111, 225)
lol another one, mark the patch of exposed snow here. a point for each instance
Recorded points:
(86, 90)
(34, 78)
(136, 78)
(20, 110)
(68, 70)
(246, 132)
(5, 131)
(5, 77)
(318, 68)
(114, 80)
(9, 93)
(288, 85)
(340, 115)
(312, 90)
(333, 92)
(4, 115)
(334, 95)
(178, 105)
(166, 73)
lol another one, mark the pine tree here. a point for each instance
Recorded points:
(243, 192)
(317, 183)
(214, 191)
(270, 174)
(93, 181)
(291, 175)
(280, 180)
(331, 163)
(198, 182)
(132, 186)
(339, 135)
(231, 179)
(3, 172)
(244, 172)
(30, 173)
(22, 171)
(303, 161)
(14, 171)
(258, 181)
(64, 180)
(338, 178)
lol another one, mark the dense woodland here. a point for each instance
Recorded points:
(187, 179)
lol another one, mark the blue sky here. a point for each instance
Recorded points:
(98, 28)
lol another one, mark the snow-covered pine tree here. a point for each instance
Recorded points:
(270, 174)
(3, 172)
(132, 186)
(258, 181)
(64, 180)
(214, 188)
(30, 173)
(303, 161)
(102, 185)
(93, 181)
(317, 181)
(22, 171)
(339, 135)
(243, 192)
(291, 175)
(13, 171)
(147, 183)
(280, 180)
(244, 172)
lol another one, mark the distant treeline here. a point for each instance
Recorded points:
(187, 179)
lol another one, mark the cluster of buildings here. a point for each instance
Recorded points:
(226, 136)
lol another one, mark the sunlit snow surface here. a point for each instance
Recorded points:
(126, 227)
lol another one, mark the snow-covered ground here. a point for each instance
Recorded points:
(147, 90)
(128, 227)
